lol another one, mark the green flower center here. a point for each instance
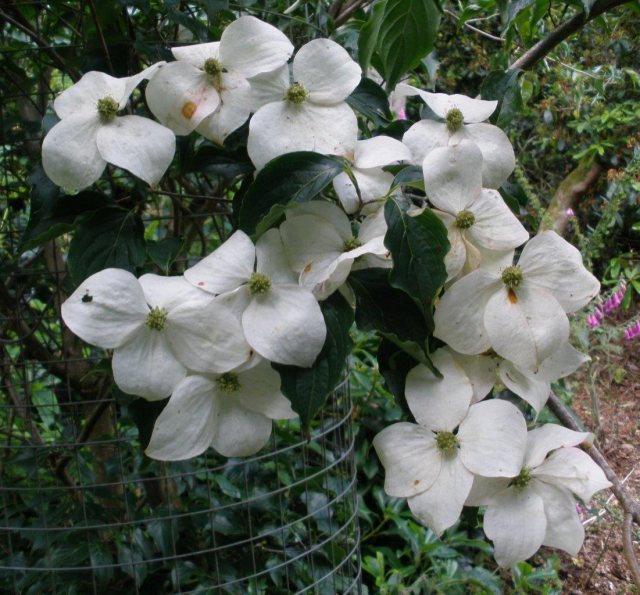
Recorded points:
(296, 93)
(351, 244)
(259, 283)
(446, 442)
(212, 67)
(228, 383)
(523, 479)
(465, 219)
(454, 119)
(156, 319)
(512, 277)
(107, 108)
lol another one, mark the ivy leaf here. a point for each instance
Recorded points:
(109, 237)
(505, 88)
(406, 35)
(308, 388)
(418, 246)
(369, 99)
(291, 178)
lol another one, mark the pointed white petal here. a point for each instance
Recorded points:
(459, 313)
(516, 524)
(285, 325)
(326, 70)
(498, 158)
(542, 440)
(485, 489)
(107, 309)
(481, 371)
(269, 86)
(186, 425)
(493, 438)
(196, 55)
(575, 470)
(139, 145)
(410, 457)
(525, 326)
(131, 82)
(440, 506)
(563, 361)
(372, 183)
(169, 292)
(271, 258)
(238, 431)
(82, 98)
(146, 366)
(278, 128)
(473, 110)
(439, 404)
(226, 268)
(495, 261)
(374, 225)
(534, 392)
(181, 96)
(378, 151)
(455, 259)
(423, 137)
(70, 155)
(551, 262)
(326, 210)
(452, 176)
(260, 392)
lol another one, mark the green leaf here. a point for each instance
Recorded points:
(369, 99)
(368, 38)
(504, 87)
(394, 365)
(406, 35)
(164, 252)
(291, 178)
(109, 237)
(308, 388)
(418, 246)
(144, 414)
(409, 176)
(220, 161)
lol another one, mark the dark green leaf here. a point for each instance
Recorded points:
(219, 161)
(308, 388)
(418, 246)
(368, 38)
(395, 364)
(410, 176)
(144, 414)
(164, 252)
(505, 88)
(406, 35)
(369, 99)
(515, 8)
(292, 178)
(110, 237)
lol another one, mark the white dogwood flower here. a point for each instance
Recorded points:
(90, 134)
(476, 218)
(520, 311)
(158, 327)
(309, 114)
(463, 118)
(207, 87)
(281, 320)
(231, 412)
(537, 507)
(433, 463)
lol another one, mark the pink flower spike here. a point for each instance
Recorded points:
(570, 212)
(402, 114)
(592, 321)
(598, 314)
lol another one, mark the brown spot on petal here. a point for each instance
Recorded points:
(513, 298)
(416, 482)
(188, 109)
(201, 284)
(308, 267)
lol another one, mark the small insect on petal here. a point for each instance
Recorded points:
(188, 109)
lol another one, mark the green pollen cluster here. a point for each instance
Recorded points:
(446, 442)
(512, 277)
(465, 219)
(107, 108)
(156, 319)
(351, 244)
(454, 119)
(212, 67)
(296, 93)
(228, 383)
(259, 283)
(523, 479)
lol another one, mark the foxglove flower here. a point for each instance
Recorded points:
(520, 312)
(158, 327)
(90, 134)
(309, 114)
(462, 118)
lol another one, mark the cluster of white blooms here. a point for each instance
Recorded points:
(206, 339)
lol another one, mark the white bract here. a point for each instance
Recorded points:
(432, 466)
(373, 182)
(476, 218)
(231, 412)
(158, 327)
(322, 248)
(90, 134)
(537, 507)
(521, 311)
(207, 87)
(281, 320)
(463, 119)
(310, 114)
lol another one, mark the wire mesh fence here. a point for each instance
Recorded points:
(83, 509)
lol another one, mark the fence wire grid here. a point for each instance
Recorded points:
(83, 509)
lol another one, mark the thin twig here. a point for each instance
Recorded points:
(469, 26)
(627, 547)
(103, 43)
